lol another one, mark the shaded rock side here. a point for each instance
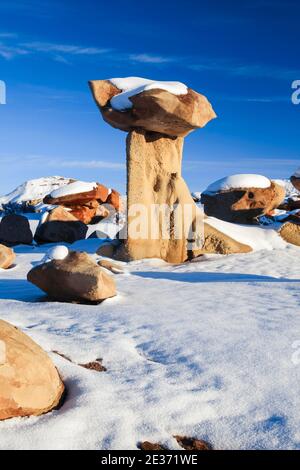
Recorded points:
(56, 231)
(15, 230)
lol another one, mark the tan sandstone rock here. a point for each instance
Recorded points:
(60, 214)
(29, 382)
(76, 278)
(243, 205)
(290, 232)
(7, 257)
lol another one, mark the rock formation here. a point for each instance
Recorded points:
(157, 121)
(76, 278)
(242, 205)
(85, 203)
(15, 230)
(60, 226)
(7, 257)
(29, 382)
(295, 179)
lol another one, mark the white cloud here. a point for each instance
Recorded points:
(150, 59)
(63, 48)
(89, 164)
(9, 52)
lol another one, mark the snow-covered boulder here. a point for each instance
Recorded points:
(242, 198)
(7, 257)
(29, 382)
(75, 278)
(83, 199)
(15, 230)
(295, 179)
(169, 108)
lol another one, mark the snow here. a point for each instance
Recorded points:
(239, 181)
(34, 189)
(290, 191)
(208, 349)
(73, 188)
(57, 252)
(132, 86)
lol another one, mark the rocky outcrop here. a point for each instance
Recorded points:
(7, 257)
(86, 205)
(15, 230)
(29, 382)
(157, 122)
(76, 278)
(290, 232)
(242, 205)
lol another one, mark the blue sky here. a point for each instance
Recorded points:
(242, 55)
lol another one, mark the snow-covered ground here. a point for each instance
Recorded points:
(208, 349)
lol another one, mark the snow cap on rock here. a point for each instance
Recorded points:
(239, 181)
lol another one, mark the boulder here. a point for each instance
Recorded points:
(290, 232)
(76, 278)
(220, 243)
(60, 214)
(56, 231)
(154, 110)
(15, 230)
(99, 192)
(106, 249)
(295, 180)
(85, 212)
(242, 205)
(115, 200)
(29, 382)
(7, 257)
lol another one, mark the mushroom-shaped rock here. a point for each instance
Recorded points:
(75, 278)
(295, 179)
(157, 115)
(7, 257)
(242, 198)
(166, 107)
(15, 230)
(29, 382)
